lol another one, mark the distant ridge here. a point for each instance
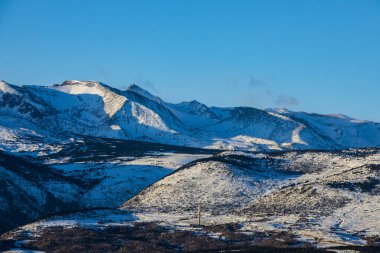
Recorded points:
(95, 109)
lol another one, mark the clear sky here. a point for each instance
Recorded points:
(315, 56)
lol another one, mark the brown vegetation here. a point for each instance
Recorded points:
(150, 237)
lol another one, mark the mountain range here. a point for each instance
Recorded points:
(88, 108)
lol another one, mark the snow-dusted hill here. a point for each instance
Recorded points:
(220, 183)
(80, 174)
(30, 190)
(332, 196)
(320, 198)
(95, 109)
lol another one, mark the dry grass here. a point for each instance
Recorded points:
(150, 237)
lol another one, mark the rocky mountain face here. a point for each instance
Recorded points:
(95, 109)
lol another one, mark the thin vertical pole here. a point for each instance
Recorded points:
(199, 214)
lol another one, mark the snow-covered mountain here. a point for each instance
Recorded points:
(95, 109)
(84, 145)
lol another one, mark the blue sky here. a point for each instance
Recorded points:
(313, 56)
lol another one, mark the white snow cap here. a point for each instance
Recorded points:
(80, 87)
(7, 88)
(112, 101)
(77, 82)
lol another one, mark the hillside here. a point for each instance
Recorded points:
(84, 174)
(30, 191)
(290, 200)
(329, 195)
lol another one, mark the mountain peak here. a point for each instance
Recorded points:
(134, 86)
(195, 102)
(142, 92)
(7, 88)
(193, 105)
(82, 83)
(82, 87)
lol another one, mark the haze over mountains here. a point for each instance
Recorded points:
(94, 109)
